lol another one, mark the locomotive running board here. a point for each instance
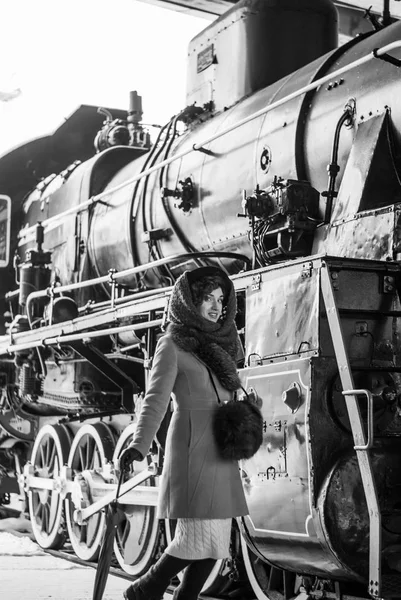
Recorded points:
(360, 444)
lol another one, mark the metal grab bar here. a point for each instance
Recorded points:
(369, 397)
(199, 146)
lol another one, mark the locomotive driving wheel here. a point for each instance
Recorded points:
(268, 583)
(138, 532)
(91, 449)
(257, 571)
(49, 454)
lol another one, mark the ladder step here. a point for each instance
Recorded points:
(391, 586)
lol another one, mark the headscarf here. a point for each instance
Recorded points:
(216, 344)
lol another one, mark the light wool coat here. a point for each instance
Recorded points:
(196, 482)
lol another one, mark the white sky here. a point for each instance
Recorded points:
(63, 54)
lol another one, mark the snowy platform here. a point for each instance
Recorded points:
(29, 573)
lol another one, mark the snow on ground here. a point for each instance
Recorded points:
(29, 573)
(16, 540)
(11, 545)
(18, 526)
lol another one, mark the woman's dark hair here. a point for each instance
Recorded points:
(203, 286)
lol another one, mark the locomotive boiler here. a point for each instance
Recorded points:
(284, 169)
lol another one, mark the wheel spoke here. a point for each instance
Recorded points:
(42, 519)
(82, 533)
(42, 460)
(96, 460)
(52, 459)
(38, 511)
(88, 464)
(45, 518)
(53, 509)
(92, 529)
(80, 465)
(124, 533)
(47, 451)
(93, 459)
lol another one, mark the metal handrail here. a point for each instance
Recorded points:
(85, 335)
(369, 397)
(200, 146)
(114, 276)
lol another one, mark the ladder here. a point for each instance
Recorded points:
(361, 445)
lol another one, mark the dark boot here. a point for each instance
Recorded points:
(154, 583)
(194, 579)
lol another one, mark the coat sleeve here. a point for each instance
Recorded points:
(157, 397)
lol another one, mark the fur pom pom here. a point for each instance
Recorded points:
(238, 429)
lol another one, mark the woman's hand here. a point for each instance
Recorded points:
(128, 456)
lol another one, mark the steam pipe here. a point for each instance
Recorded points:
(333, 168)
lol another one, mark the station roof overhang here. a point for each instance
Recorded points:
(351, 12)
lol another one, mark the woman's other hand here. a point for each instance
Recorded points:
(128, 456)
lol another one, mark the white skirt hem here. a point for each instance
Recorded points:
(197, 539)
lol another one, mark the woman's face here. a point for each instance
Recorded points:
(212, 305)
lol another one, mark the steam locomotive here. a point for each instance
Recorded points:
(284, 169)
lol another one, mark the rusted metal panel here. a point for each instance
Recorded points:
(371, 235)
(344, 511)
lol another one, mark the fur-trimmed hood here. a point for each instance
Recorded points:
(216, 344)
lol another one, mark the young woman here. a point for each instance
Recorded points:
(194, 361)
